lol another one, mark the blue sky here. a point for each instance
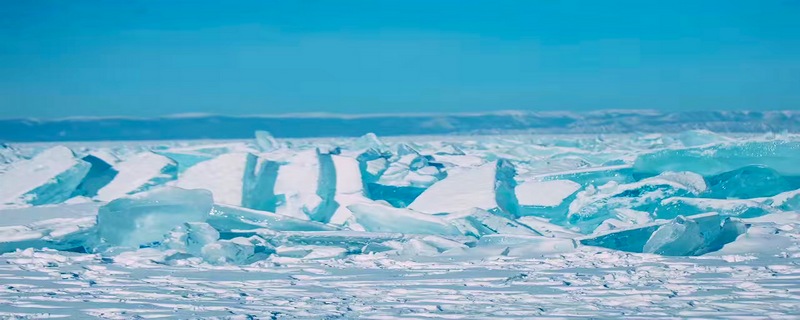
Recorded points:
(149, 58)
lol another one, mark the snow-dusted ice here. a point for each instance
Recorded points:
(675, 225)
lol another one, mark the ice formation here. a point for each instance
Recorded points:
(138, 173)
(49, 177)
(489, 187)
(145, 218)
(694, 193)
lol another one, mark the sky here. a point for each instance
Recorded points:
(151, 58)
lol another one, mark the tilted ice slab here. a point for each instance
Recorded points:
(383, 218)
(225, 176)
(49, 177)
(138, 173)
(489, 187)
(621, 173)
(348, 190)
(266, 142)
(145, 218)
(226, 218)
(478, 223)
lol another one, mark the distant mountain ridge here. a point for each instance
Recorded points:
(203, 126)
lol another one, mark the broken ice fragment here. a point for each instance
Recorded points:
(450, 149)
(235, 251)
(227, 218)
(370, 141)
(679, 237)
(228, 177)
(265, 141)
(489, 187)
(138, 173)
(305, 186)
(404, 149)
(478, 222)
(311, 252)
(146, 217)
(381, 218)
(527, 245)
(349, 189)
(49, 177)
(191, 237)
(619, 173)
(547, 229)
(64, 227)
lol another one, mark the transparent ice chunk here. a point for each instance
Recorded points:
(144, 218)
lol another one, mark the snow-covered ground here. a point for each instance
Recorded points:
(691, 224)
(584, 284)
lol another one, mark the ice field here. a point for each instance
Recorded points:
(675, 225)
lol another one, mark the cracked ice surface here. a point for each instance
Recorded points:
(693, 224)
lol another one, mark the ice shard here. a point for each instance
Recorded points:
(138, 173)
(478, 223)
(303, 186)
(382, 218)
(349, 188)
(226, 218)
(679, 237)
(191, 237)
(450, 149)
(619, 173)
(144, 218)
(231, 178)
(489, 187)
(370, 141)
(266, 142)
(49, 177)
(234, 251)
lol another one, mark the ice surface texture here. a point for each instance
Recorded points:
(241, 202)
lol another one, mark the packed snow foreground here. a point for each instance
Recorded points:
(430, 203)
